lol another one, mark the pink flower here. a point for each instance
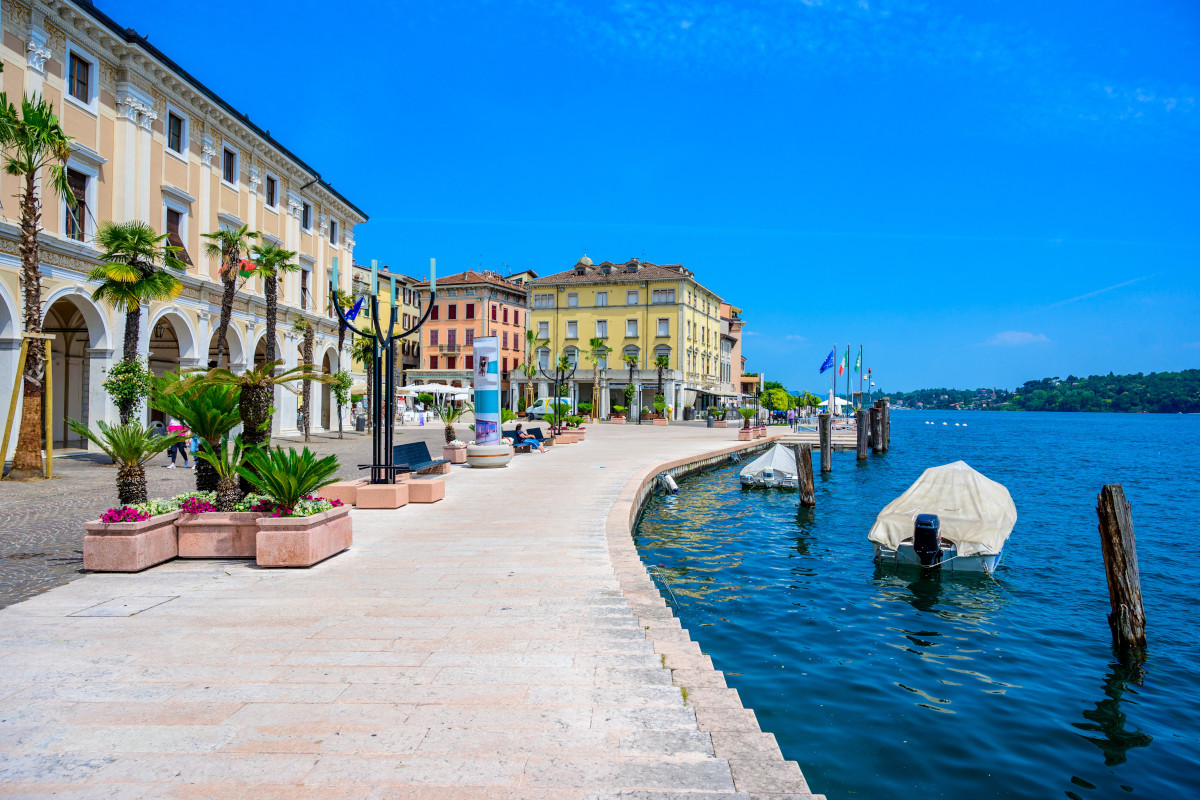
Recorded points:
(124, 514)
(194, 505)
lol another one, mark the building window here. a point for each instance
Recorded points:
(271, 192)
(470, 311)
(601, 329)
(543, 330)
(229, 166)
(663, 296)
(304, 273)
(75, 222)
(631, 327)
(470, 337)
(469, 362)
(504, 341)
(175, 234)
(572, 330)
(435, 312)
(661, 351)
(493, 313)
(631, 298)
(504, 366)
(306, 217)
(333, 232)
(452, 311)
(543, 301)
(451, 362)
(543, 358)
(572, 354)
(433, 362)
(573, 300)
(516, 317)
(176, 135)
(506, 314)
(601, 299)
(664, 327)
(452, 337)
(632, 352)
(79, 79)
(433, 336)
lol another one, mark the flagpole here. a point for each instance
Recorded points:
(847, 373)
(860, 376)
(833, 381)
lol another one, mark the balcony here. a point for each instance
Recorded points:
(450, 348)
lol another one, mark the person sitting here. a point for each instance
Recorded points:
(524, 438)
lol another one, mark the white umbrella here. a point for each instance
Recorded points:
(432, 388)
(460, 393)
(840, 402)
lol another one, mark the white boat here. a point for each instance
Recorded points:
(775, 468)
(952, 518)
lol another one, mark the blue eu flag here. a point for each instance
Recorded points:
(828, 362)
(353, 312)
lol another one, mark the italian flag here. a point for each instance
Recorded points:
(842, 367)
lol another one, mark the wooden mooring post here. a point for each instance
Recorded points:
(876, 416)
(804, 474)
(861, 421)
(826, 428)
(1128, 618)
(885, 418)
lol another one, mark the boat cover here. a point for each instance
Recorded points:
(975, 512)
(778, 458)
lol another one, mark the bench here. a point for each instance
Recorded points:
(415, 456)
(511, 438)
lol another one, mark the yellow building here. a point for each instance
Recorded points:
(642, 311)
(392, 289)
(152, 143)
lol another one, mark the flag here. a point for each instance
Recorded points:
(828, 364)
(246, 267)
(858, 362)
(845, 362)
(353, 312)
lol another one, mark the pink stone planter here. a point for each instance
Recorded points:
(568, 437)
(216, 534)
(129, 546)
(661, 421)
(455, 455)
(383, 495)
(346, 491)
(745, 434)
(303, 541)
(760, 433)
(616, 420)
(720, 423)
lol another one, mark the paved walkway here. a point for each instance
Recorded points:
(481, 647)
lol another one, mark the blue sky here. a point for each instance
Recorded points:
(980, 193)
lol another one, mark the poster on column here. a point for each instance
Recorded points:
(487, 390)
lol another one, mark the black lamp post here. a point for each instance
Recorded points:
(561, 374)
(384, 468)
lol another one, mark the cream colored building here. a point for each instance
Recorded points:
(152, 143)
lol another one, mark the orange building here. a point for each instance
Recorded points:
(471, 304)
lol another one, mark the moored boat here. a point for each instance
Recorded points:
(952, 518)
(775, 469)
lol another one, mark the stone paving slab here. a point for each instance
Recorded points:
(499, 644)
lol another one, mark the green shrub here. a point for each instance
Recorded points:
(574, 421)
(585, 408)
(426, 398)
(506, 416)
(287, 476)
(618, 410)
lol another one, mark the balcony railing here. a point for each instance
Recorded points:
(450, 348)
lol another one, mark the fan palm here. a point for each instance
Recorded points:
(451, 414)
(597, 351)
(130, 446)
(661, 363)
(287, 476)
(227, 246)
(210, 412)
(32, 142)
(225, 462)
(271, 261)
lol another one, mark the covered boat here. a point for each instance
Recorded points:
(953, 517)
(775, 468)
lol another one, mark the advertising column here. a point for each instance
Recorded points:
(487, 390)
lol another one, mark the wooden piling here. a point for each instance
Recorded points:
(804, 475)
(826, 428)
(876, 416)
(887, 424)
(862, 422)
(1128, 618)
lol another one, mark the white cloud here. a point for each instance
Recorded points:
(791, 337)
(1016, 339)
(750, 333)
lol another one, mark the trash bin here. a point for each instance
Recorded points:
(709, 421)
(360, 423)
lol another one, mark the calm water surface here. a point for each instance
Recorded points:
(882, 684)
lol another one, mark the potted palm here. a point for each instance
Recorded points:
(208, 412)
(455, 449)
(226, 528)
(659, 407)
(136, 534)
(618, 415)
(300, 528)
(717, 417)
(746, 433)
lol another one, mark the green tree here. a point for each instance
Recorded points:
(345, 300)
(209, 412)
(271, 261)
(227, 246)
(362, 349)
(597, 351)
(130, 278)
(306, 361)
(33, 143)
(661, 363)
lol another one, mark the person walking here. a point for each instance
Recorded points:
(181, 447)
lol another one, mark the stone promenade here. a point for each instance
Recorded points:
(503, 643)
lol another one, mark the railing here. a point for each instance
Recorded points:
(450, 348)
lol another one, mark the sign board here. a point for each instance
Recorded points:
(487, 390)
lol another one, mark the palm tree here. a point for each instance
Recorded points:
(209, 413)
(661, 363)
(597, 350)
(529, 368)
(451, 414)
(30, 141)
(130, 278)
(363, 349)
(130, 446)
(271, 261)
(306, 355)
(225, 461)
(345, 300)
(227, 245)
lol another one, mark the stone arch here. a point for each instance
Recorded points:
(185, 334)
(237, 348)
(99, 331)
(79, 355)
(260, 349)
(328, 364)
(9, 311)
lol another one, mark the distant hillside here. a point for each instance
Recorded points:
(1158, 392)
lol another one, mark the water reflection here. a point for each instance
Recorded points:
(1108, 721)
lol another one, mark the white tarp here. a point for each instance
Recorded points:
(779, 459)
(975, 512)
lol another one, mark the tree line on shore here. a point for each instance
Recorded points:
(1156, 392)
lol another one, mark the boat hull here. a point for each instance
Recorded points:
(770, 482)
(904, 555)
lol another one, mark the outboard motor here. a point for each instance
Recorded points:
(927, 539)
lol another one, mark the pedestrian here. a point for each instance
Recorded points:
(179, 448)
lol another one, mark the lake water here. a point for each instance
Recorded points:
(883, 684)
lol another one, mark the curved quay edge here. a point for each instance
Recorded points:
(755, 761)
